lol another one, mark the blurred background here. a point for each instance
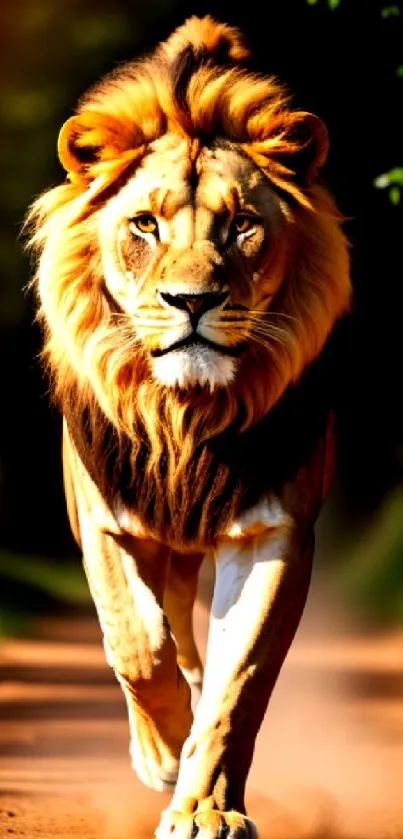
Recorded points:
(343, 59)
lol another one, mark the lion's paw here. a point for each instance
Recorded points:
(210, 824)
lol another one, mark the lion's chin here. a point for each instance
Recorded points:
(194, 365)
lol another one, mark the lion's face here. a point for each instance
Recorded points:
(172, 265)
(183, 245)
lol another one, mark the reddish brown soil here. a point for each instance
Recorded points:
(328, 764)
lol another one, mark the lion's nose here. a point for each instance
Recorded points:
(195, 304)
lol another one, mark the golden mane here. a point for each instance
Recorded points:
(192, 85)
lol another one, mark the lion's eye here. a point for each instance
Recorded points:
(242, 223)
(145, 223)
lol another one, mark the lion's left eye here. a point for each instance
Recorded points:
(242, 223)
(145, 223)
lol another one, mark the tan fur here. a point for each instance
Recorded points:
(194, 140)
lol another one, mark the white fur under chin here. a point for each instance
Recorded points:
(194, 365)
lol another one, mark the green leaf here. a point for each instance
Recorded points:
(399, 71)
(333, 4)
(394, 195)
(312, 2)
(390, 11)
(393, 177)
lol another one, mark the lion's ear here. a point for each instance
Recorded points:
(89, 138)
(78, 146)
(303, 146)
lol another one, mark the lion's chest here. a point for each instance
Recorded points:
(268, 514)
(189, 499)
(186, 503)
(194, 504)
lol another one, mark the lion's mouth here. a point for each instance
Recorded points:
(197, 340)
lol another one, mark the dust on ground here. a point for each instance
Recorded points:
(328, 762)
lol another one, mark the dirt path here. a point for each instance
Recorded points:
(328, 764)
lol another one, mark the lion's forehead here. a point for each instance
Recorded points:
(218, 181)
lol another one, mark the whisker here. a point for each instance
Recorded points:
(123, 334)
(128, 340)
(155, 324)
(267, 343)
(269, 329)
(255, 313)
(241, 319)
(217, 324)
(132, 323)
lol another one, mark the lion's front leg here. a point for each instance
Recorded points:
(260, 591)
(127, 577)
(127, 585)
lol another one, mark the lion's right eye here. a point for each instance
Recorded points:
(242, 223)
(144, 223)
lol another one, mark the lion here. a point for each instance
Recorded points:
(191, 271)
